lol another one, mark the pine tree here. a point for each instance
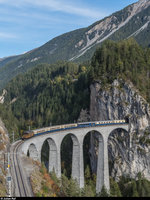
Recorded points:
(87, 174)
(114, 189)
(134, 189)
(104, 192)
(88, 191)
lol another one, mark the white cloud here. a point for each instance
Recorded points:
(4, 35)
(58, 5)
(67, 8)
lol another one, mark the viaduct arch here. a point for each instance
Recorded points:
(77, 135)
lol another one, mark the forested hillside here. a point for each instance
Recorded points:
(48, 94)
(126, 60)
(48, 185)
(56, 94)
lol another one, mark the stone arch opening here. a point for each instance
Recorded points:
(49, 154)
(32, 152)
(69, 147)
(119, 153)
(92, 142)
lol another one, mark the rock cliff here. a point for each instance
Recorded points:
(4, 144)
(129, 153)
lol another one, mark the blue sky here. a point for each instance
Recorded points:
(27, 24)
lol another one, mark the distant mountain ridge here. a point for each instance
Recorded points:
(79, 45)
(5, 60)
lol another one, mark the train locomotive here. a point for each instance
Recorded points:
(51, 129)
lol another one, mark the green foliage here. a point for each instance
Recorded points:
(45, 189)
(145, 140)
(66, 155)
(48, 94)
(126, 60)
(10, 121)
(54, 177)
(65, 47)
(90, 181)
(88, 191)
(43, 169)
(69, 187)
(114, 190)
(103, 193)
(87, 174)
(55, 94)
(61, 48)
(134, 188)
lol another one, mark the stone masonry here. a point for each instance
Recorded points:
(34, 146)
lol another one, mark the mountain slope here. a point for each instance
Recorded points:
(4, 61)
(79, 45)
(58, 93)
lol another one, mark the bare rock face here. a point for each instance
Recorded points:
(129, 153)
(3, 96)
(107, 27)
(4, 144)
(84, 116)
(3, 134)
(4, 141)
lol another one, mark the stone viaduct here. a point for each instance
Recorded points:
(34, 146)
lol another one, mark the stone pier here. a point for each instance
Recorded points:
(34, 146)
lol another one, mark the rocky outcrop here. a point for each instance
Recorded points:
(4, 145)
(107, 27)
(3, 96)
(4, 141)
(129, 153)
(84, 116)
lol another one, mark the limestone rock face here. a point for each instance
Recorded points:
(4, 138)
(129, 153)
(4, 143)
(84, 116)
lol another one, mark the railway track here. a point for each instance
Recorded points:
(19, 187)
